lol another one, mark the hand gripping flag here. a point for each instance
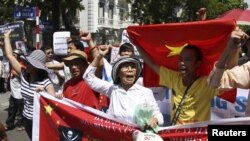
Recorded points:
(164, 42)
(66, 120)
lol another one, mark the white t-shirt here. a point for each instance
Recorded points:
(54, 78)
(67, 73)
(15, 87)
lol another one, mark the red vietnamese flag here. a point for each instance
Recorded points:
(210, 36)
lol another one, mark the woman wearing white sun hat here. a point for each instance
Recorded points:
(125, 95)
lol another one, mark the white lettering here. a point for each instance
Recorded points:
(214, 131)
(231, 133)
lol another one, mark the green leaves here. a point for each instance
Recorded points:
(165, 11)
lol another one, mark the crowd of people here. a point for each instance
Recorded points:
(82, 76)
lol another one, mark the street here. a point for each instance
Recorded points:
(13, 135)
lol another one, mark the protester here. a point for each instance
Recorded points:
(73, 44)
(4, 74)
(2, 79)
(188, 87)
(76, 88)
(76, 44)
(56, 76)
(224, 77)
(15, 108)
(125, 95)
(126, 49)
(33, 78)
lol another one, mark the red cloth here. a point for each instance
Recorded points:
(88, 52)
(79, 91)
(240, 15)
(210, 36)
(57, 117)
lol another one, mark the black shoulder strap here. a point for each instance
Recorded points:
(178, 110)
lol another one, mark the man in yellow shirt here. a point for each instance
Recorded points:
(196, 104)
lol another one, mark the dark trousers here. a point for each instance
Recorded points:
(15, 111)
(28, 127)
(2, 87)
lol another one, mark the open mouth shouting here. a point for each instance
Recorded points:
(183, 69)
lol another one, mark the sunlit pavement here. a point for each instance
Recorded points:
(13, 135)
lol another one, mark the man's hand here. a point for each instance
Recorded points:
(201, 13)
(59, 95)
(104, 49)
(238, 38)
(85, 36)
(40, 89)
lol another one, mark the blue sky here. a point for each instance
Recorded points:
(248, 2)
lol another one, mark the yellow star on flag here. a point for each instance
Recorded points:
(175, 50)
(48, 109)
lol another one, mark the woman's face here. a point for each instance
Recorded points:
(127, 73)
(30, 68)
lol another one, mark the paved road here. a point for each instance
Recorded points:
(13, 135)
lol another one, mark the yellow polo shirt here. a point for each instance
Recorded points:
(197, 104)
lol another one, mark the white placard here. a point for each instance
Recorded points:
(60, 42)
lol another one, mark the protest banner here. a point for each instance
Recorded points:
(56, 119)
(224, 109)
(16, 36)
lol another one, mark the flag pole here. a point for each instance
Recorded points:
(37, 29)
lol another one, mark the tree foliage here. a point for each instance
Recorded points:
(61, 12)
(164, 11)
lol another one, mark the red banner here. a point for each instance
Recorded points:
(60, 120)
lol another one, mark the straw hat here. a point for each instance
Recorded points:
(75, 54)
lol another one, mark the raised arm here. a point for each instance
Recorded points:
(9, 53)
(103, 50)
(236, 40)
(89, 76)
(56, 66)
(86, 36)
(148, 60)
